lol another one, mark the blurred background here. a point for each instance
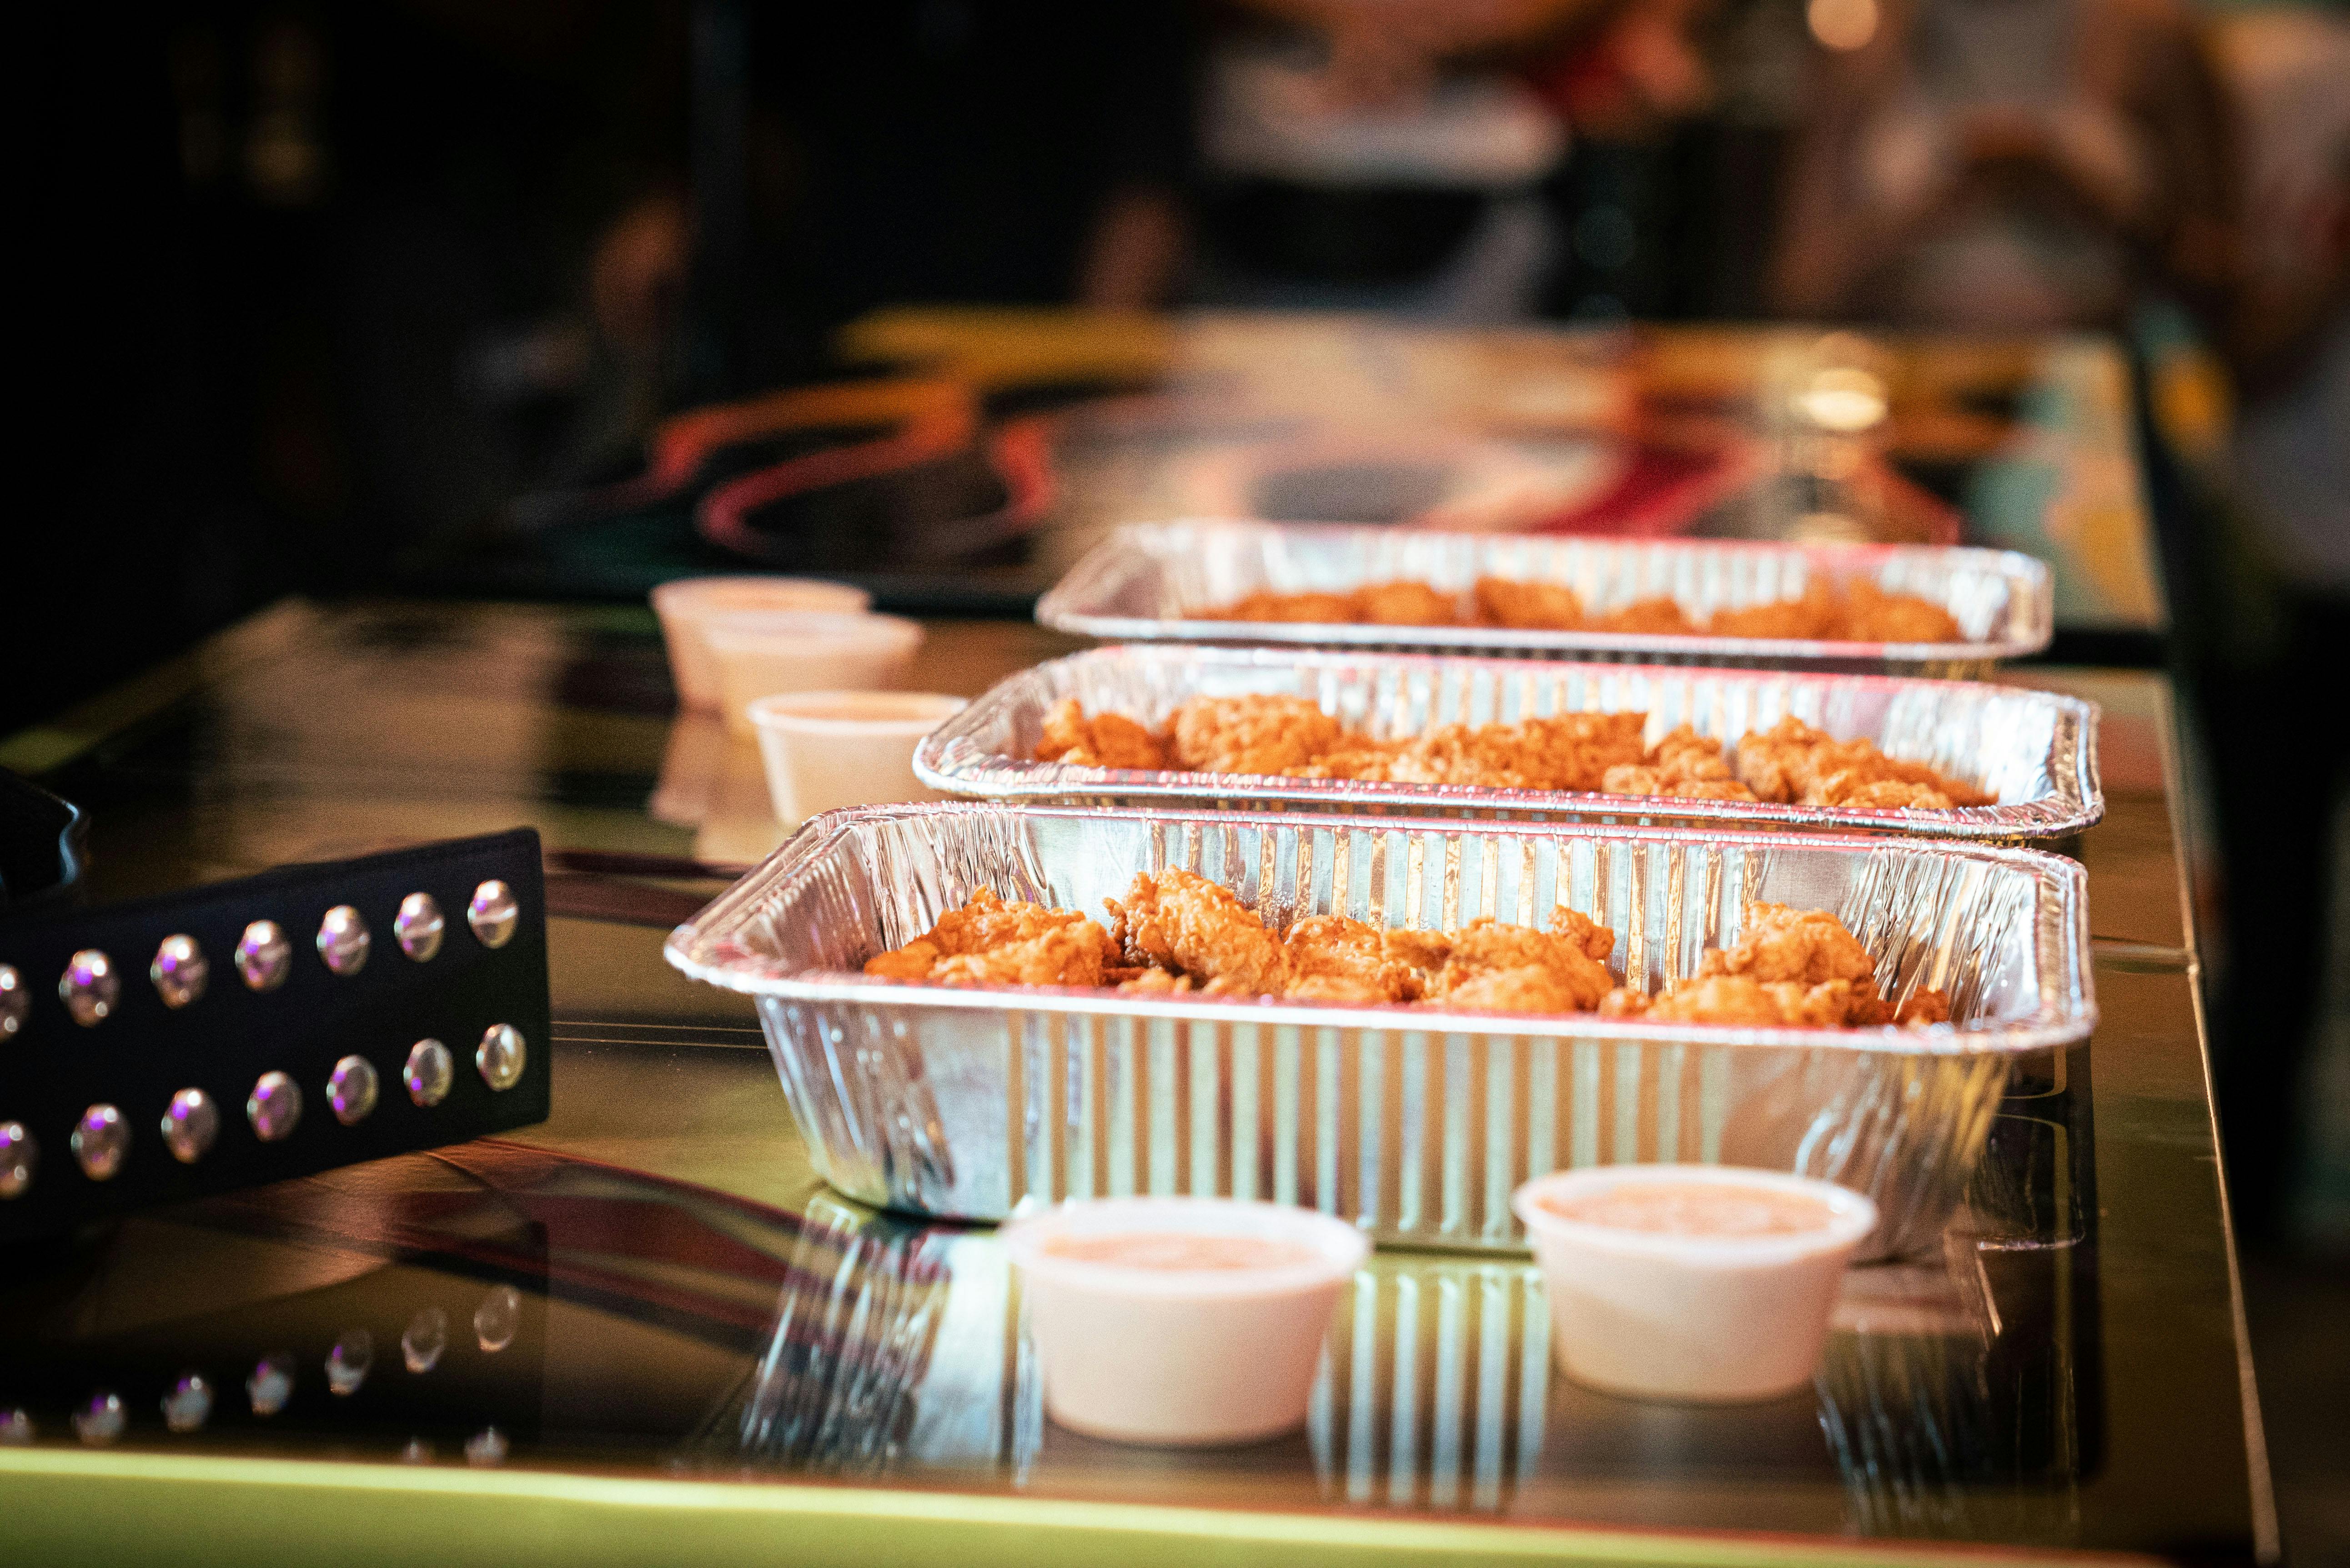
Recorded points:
(558, 298)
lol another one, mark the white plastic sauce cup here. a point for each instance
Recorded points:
(1694, 1317)
(760, 654)
(1178, 1356)
(686, 603)
(824, 750)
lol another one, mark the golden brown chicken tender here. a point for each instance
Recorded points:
(1253, 734)
(1105, 740)
(1858, 611)
(1658, 617)
(1634, 779)
(1564, 752)
(1405, 604)
(1925, 1006)
(1334, 959)
(989, 941)
(1872, 615)
(1314, 608)
(1178, 919)
(1486, 964)
(1744, 1000)
(1793, 763)
(1178, 934)
(1685, 764)
(1813, 616)
(1530, 606)
(1781, 942)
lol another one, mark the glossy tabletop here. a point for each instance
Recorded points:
(644, 1332)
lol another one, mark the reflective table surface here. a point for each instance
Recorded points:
(645, 1331)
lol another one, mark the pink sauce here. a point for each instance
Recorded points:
(1179, 1250)
(1695, 1208)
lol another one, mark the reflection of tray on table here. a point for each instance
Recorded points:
(1950, 1396)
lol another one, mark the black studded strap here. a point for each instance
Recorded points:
(310, 1017)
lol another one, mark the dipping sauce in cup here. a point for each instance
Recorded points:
(1709, 1284)
(1181, 1320)
(760, 654)
(686, 603)
(824, 750)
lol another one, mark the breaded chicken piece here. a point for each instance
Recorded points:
(1596, 939)
(1156, 982)
(1405, 603)
(1564, 752)
(1776, 763)
(1104, 741)
(1852, 786)
(1528, 988)
(1872, 615)
(1623, 1003)
(1812, 616)
(1355, 757)
(1780, 942)
(1530, 606)
(1066, 955)
(1859, 612)
(1925, 1006)
(1180, 920)
(1685, 754)
(1684, 763)
(989, 941)
(1334, 959)
(1722, 999)
(1658, 617)
(1552, 972)
(1793, 763)
(1741, 998)
(1250, 734)
(1637, 779)
(1327, 609)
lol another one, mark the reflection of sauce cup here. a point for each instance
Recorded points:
(1703, 1284)
(760, 654)
(824, 750)
(1189, 1320)
(692, 766)
(686, 605)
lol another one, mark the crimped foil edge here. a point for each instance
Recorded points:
(951, 758)
(1071, 604)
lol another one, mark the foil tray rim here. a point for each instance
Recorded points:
(1064, 606)
(2079, 803)
(689, 948)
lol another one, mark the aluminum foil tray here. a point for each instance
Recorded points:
(1416, 1122)
(1141, 584)
(2035, 750)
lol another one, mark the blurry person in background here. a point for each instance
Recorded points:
(1402, 154)
(2283, 1064)
(2006, 165)
(2289, 341)
(940, 151)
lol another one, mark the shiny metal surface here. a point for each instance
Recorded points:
(669, 1192)
(899, 1348)
(1415, 1122)
(1140, 583)
(2036, 750)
